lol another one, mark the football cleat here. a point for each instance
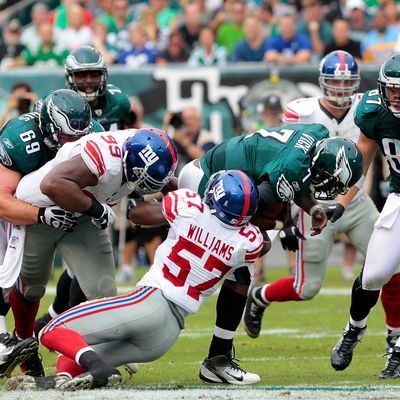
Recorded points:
(342, 353)
(27, 382)
(14, 352)
(95, 378)
(41, 323)
(392, 367)
(391, 339)
(32, 365)
(253, 314)
(223, 369)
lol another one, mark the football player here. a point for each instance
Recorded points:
(86, 176)
(377, 116)
(208, 241)
(26, 143)
(339, 80)
(86, 73)
(286, 163)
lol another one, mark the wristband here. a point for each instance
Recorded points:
(315, 208)
(40, 218)
(96, 210)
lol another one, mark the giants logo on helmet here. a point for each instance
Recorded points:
(219, 191)
(148, 156)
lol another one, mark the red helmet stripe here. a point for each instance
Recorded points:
(246, 205)
(342, 60)
(168, 143)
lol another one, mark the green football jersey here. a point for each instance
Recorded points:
(112, 109)
(22, 147)
(282, 155)
(379, 124)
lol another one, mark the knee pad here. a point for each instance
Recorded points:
(34, 293)
(310, 290)
(312, 250)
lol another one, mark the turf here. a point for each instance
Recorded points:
(293, 350)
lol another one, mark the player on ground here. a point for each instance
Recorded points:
(207, 242)
(26, 143)
(86, 73)
(339, 80)
(378, 118)
(286, 163)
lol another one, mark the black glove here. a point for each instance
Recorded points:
(132, 202)
(57, 217)
(334, 212)
(102, 214)
(290, 236)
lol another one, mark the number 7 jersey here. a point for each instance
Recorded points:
(199, 251)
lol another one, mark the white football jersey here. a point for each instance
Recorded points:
(309, 111)
(199, 251)
(101, 152)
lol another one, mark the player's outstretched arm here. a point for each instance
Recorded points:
(11, 209)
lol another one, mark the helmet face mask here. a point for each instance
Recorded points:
(339, 79)
(149, 161)
(64, 117)
(336, 167)
(232, 197)
(86, 73)
(389, 84)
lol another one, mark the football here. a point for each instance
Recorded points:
(266, 217)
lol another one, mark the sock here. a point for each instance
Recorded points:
(258, 295)
(3, 324)
(60, 303)
(281, 290)
(362, 300)
(390, 298)
(25, 312)
(89, 360)
(4, 308)
(230, 307)
(52, 312)
(65, 341)
(126, 267)
(67, 366)
(76, 296)
(358, 324)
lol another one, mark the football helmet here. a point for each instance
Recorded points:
(64, 116)
(339, 78)
(86, 60)
(232, 197)
(336, 166)
(389, 77)
(149, 160)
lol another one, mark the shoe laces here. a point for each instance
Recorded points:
(350, 336)
(256, 311)
(233, 361)
(393, 362)
(7, 340)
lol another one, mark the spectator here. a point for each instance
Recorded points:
(20, 102)
(342, 41)
(390, 11)
(192, 26)
(157, 36)
(230, 32)
(166, 16)
(30, 35)
(100, 43)
(280, 8)
(48, 54)
(289, 47)
(59, 17)
(268, 20)
(139, 53)
(207, 52)
(190, 139)
(379, 44)
(76, 33)
(254, 46)
(176, 51)
(317, 28)
(11, 47)
(357, 17)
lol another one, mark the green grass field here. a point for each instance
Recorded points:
(293, 350)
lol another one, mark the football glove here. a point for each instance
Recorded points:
(101, 213)
(132, 203)
(57, 217)
(334, 212)
(290, 236)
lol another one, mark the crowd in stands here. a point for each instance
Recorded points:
(201, 32)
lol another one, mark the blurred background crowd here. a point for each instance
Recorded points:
(135, 33)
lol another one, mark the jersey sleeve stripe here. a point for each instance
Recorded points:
(93, 151)
(289, 115)
(256, 250)
(170, 206)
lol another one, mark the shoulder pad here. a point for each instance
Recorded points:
(370, 105)
(297, 108)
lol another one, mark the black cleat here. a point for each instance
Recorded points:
(41, 323)
(33, 365)
(26, 382)
(342, 353)
(391, 340)
(95, 378)
(392, 367)
(253, 314)
(15, 352)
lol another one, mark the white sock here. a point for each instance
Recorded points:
(126, 267)
(358, 324)
(51, 312)
(3, 324)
